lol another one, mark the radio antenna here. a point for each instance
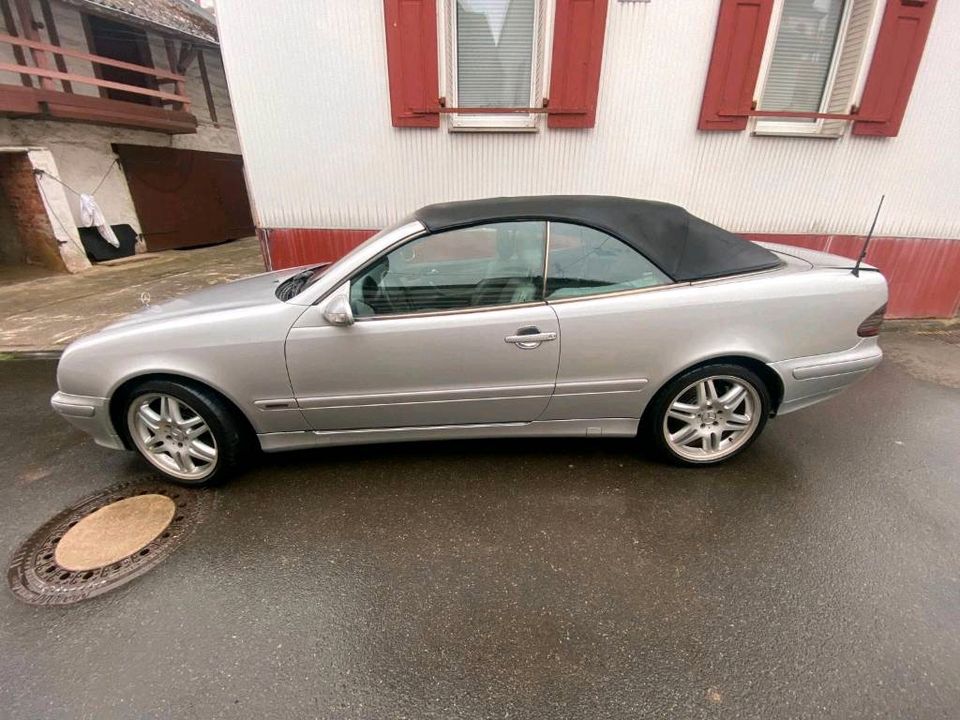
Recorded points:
(866, 242)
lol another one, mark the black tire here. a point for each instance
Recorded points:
(233, 441)
(653, 431)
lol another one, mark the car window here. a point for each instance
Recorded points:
(494, 264)
(584, 261)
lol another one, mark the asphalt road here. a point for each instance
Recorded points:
(816, 576)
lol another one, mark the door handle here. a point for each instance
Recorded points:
(530, 337)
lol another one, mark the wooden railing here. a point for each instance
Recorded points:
(178, 98)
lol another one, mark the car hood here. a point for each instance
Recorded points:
(238, 294)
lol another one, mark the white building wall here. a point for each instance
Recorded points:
(309, 87)
(83, 153)
(71, 33)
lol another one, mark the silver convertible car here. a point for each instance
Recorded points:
(525, 316)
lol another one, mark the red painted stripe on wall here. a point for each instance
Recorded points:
(289, 247)
(924, 273)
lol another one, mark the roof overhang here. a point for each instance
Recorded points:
(178, 18)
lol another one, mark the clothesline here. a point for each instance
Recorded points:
(56, 217)
(77, 192)
(89, 212)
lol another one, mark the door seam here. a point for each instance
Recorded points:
(556, 375)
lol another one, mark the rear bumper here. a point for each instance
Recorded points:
(90, 414)
(809, 380)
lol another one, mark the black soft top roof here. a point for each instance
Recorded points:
(683, 246)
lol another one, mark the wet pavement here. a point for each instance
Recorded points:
(816, 576)
(46, 311)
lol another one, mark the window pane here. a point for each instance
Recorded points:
(802, 55)
(494, 52)
(497, 264)
(584, 261)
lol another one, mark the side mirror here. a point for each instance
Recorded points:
(338, 312)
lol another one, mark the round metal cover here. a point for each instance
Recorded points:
(115, 531)
(97, 555)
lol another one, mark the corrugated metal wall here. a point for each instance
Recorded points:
(309, 87)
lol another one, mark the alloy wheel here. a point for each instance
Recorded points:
(711, 418)
(172, 436)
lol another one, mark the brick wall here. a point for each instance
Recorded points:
(31, 228)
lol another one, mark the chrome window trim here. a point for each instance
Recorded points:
(546, 258)
(454, 311)
(734, 276)
(619, 293)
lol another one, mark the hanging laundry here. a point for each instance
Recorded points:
(91, 216)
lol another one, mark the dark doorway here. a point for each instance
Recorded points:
(120, 42)
(186, 198)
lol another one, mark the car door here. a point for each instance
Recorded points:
(447, 329)
(613, 340)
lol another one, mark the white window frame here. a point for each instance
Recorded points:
(767, 126)
(539, 72)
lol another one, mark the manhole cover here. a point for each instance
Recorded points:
(115, 531)
(104, 541)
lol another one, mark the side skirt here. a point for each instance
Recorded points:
(595, 427)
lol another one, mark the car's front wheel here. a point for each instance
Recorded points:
(185, 432)
(709, 414)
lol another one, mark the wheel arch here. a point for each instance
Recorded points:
(120, 395)
(770, 377)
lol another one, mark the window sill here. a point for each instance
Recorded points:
(797, 134)
(822, 129)
(492, 129)
(491, 122)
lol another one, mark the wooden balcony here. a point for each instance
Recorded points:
(168, 113)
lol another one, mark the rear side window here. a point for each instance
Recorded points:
(583, 261)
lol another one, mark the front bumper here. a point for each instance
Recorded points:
(90, 414)
(809, 380)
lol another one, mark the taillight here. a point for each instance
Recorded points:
(871, 326)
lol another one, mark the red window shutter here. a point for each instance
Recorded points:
(735, 64)
(579, 27)
(412, 60)
(896, 59)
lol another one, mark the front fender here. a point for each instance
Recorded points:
(240, 354)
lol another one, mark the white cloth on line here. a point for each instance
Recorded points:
(91, 216)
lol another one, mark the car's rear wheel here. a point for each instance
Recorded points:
(185, 432)
(708, 415)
